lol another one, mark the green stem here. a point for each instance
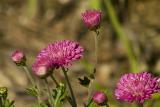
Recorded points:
(32, 82)
(57, 85)
(96, 49)
(74, 104)
(29, 76)
(1, 101)
(54, 80)
(107, 105)
(38, 97)
(49, 92)
(89, 103)
(118, 29)
(140, 105)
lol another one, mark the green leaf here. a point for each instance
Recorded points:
(42, 104)
(85, 81)
(32, 91)
(54, 93)
(60, 95)
(9, 103)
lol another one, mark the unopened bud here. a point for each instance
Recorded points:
(92, 19)
(99, 98)
(18, 57)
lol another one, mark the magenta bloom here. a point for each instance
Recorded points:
(58, 54)
(92, 19)
(18, 57)
(99, 98)
(136, 87)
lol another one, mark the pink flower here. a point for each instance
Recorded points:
(58, 54)
(91, 19)
(136, 87)
(99, 98)
(18, 57)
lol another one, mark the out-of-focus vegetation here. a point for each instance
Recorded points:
(32, 24)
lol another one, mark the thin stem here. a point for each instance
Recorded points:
(96, 49)
(57, 85)
(90, 88)
(38, 96)
(1, 101)
(54, 80)
(32, 82)
(49, 92)
(89, 103)
(29, 75)
(140, 105)
(69, 100)
(120, 33)
(95, 63)
(107, 105)
(74, 104)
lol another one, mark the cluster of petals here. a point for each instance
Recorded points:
(18, 57)
(91, 19)
(59, 54)
(137, 87)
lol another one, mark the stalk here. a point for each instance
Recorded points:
(74, 104)
(54, 80)
(49, 92)
(57, 85)
(1, 102)
(107, 105)
(140, 105)
(89, 103)
(29, 75)
(96, 49)
(95, 63)
(32, 82)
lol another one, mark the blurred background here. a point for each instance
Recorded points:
(30, 25)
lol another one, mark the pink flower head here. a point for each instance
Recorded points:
(92, 19)
(136, 87)
(99, 98)
(18, 57)
(59, 54)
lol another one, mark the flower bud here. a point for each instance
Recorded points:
(3, 92)
(99, 98)
(18, 57)
(91, 19)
